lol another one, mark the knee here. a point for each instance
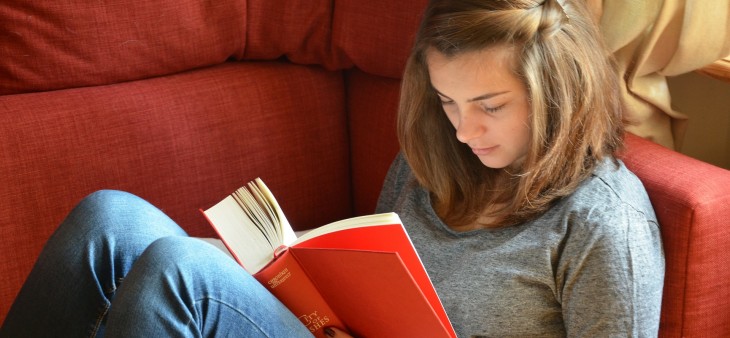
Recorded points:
(188, 258)
(187, 252)
(110, 202)
(112, 211)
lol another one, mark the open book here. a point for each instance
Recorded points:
(361, 274)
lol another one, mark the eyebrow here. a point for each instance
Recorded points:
(478, 98)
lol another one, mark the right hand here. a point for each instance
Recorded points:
(334, 332)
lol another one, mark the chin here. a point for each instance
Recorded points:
(501, 163)
(496, 164)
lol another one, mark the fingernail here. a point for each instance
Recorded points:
(329, 332)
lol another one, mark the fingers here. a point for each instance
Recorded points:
(336, 333)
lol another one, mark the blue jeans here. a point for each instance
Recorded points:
(118, 266)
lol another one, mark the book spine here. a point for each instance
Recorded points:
(286, 280)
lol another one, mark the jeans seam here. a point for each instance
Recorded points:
(105, 309)
(114, 288)
(230, 306)
(99, 319)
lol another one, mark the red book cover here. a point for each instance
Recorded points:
(286, 280)
(371, 292)
(385, 238)
(361, 274)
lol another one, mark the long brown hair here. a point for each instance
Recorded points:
(576, 108)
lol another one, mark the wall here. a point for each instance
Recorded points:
(706, 101)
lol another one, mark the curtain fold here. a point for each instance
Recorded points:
(654, 39)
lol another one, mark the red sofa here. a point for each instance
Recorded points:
(182, 101)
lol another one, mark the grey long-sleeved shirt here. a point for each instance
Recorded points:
(591, 266)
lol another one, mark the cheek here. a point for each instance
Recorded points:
(521, 132)
(525, 136)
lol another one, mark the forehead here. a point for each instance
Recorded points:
(492, 58)
(488, 69)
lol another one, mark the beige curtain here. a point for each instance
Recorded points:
(653, 39)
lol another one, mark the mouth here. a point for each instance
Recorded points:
(484, 151)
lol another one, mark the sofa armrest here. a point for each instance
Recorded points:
(691, 199)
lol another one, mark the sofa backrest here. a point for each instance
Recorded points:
(56, 45)
(78, 43)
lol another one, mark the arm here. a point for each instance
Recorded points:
(610, 273)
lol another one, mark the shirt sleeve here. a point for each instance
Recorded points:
(610, 273)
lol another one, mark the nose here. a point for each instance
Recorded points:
(471, 125)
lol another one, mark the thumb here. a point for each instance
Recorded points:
(334, 332)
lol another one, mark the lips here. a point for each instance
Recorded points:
(484, 151)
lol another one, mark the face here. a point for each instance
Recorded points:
(486, 103)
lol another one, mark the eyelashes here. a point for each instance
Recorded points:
(445, 102)
(486, 108)
(491, 110)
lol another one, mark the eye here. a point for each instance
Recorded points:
(490, 109)
(445, 101)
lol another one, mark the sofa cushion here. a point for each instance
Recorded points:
(298, 30)
(57, 45)
(374, 36)
(183, 142)
(64, 44)
(377, 35)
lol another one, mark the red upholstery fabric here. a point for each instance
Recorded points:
(64, 44)
(56, 45)
(372, 102)
(377, 35)
(182, 142)
(692, 203)
(299, 30)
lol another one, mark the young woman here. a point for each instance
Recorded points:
(507, 182)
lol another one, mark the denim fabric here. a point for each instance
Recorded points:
(118, 266)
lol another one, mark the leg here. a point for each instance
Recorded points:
(184, 287)
(76, 276)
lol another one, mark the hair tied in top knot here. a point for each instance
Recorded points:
(554, 16)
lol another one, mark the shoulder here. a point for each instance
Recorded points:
(399, 166)
(398, 178)
(609, 210)
(611, 245)
(399, 174)
(612, 192)
(608, 224)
